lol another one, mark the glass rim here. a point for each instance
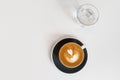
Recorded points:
(85, 4)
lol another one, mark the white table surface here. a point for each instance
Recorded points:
(28, 29)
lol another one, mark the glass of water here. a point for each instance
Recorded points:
(87, 14)
(84, 13)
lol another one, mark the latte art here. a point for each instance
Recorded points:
(72, 58)
(71, 55)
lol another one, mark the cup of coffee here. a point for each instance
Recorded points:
(69, 55)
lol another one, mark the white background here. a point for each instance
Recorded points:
(28, 29)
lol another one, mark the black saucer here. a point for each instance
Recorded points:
(55, 56)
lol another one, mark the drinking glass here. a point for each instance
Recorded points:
(81, 12)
